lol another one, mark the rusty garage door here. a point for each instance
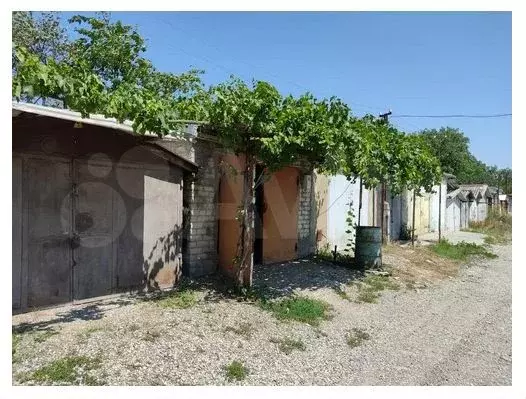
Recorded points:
(82, 230)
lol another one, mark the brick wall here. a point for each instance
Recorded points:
(307, 216)
(201, 213)
(200, 200)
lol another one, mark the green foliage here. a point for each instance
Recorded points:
(371, 286)
(461, 251)
(302, 309)
(103, 71)
(380, 153)
(180, 299)
(236, 371)
(356, 337)
(367, 295)
(380, 283)
(451, 147)
(69, 370)
(351, 230)
(41, 33)
(287, 345)
(324, 253)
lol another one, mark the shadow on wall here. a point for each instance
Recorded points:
(163, 266)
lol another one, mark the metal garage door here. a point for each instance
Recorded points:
(77, 233)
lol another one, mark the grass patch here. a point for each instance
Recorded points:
(69, 370)
(356, 337)
(367, 295)
(380, 283)
(287, 345)
(298, 308)
(181, 299)
(461, 251)
(497, 227)
(236, 371)
(370, 286)
(244, 329)
(45, 335)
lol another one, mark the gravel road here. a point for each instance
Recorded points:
(456, 332)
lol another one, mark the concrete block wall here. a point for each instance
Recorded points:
(200, 192)
(306, 216)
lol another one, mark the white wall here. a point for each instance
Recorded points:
(452, 220)
(434, 203)
(482, 210)
(341, 194)
(473, 212)
(464, 210)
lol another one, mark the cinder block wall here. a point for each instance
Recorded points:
(201, 209)
(201, 213)
(307, 216)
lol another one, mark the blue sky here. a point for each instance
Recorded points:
(412, 63)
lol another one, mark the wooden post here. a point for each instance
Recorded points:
(360, 203)
(440, 212)
(374, 206)
(382, 213)
(413, 229)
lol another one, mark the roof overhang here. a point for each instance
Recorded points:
(20, 108)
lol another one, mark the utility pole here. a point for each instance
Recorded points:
(498, 191)
(385, 117)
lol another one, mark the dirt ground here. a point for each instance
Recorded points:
(453, 328)
(418, 265)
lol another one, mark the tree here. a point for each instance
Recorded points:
(450, 146)
(104, 72)
(379, 153)
(242, 117)
(259, 124)
(41, 34)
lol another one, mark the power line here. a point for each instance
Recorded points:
(220, 66)
(452, 116)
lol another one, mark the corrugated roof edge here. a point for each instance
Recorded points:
(98, 120)
(94, 119)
